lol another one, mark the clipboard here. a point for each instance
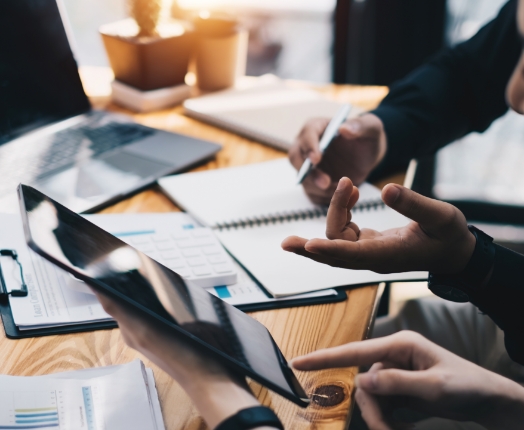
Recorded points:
(13, 332)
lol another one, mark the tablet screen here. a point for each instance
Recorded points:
(110, 265)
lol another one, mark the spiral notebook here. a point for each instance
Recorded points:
(254, 208)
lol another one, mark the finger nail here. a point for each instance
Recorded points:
(392, 193)
(354, 127)
(341, 184)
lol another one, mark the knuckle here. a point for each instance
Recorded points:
(409, 337)
(407, 340)
(449, 217)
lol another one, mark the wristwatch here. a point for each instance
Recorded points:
(249, 418)
(463, 286)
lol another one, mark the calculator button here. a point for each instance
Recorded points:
(200, 232)
(191, 252)
(164, 246)
(185, 273)
(216, 259)
(152, 255)
(198, 261)
(211, 250)
(179, 235)
(167, 255)
(175, 264)
(186, 243)
(146, 247)
(160, 238)
(223, 268)
(202, 271)
(139, 240)
(205, 241)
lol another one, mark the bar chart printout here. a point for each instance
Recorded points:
(119, 397)
(29, 410)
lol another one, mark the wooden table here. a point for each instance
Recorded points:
(297, 330)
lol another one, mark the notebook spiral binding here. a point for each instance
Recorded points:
(319, 212)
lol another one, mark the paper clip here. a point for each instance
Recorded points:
(22, 292)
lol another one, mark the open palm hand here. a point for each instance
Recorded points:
(437, 240)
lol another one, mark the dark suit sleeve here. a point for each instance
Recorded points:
(503, 297)
(461, 90)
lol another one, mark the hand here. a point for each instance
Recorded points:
(411, 372)
(204, 379)
(437, 240)
(357, 150)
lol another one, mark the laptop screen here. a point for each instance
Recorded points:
(39, 81)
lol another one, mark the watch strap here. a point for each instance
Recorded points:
(481, 262)
(461, 287)
(257, 416)
(448, 288)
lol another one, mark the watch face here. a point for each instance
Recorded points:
(449, 293)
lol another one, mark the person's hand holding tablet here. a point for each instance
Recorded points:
(407, 371)
(216, 392)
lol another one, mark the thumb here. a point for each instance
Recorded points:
(432, 215)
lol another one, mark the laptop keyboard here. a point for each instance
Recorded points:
(66, 144)
(62, 149)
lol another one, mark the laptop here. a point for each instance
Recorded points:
(49, 135)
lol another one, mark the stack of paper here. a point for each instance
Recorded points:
(116, 397)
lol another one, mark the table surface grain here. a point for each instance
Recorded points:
(296, 330)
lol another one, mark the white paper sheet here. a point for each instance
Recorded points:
(108, 398)
(50, 300)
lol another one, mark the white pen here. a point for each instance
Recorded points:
(329, 134)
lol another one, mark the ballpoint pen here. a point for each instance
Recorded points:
(327, 137)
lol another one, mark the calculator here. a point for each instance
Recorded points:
(195, 254)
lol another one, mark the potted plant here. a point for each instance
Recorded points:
(145, 52)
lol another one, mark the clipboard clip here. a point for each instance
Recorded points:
(22, 292)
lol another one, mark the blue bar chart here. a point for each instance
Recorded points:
(28, 410)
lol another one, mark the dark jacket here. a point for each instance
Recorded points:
(460, 91)
(463, 90)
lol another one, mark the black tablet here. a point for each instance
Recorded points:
(115, 268)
